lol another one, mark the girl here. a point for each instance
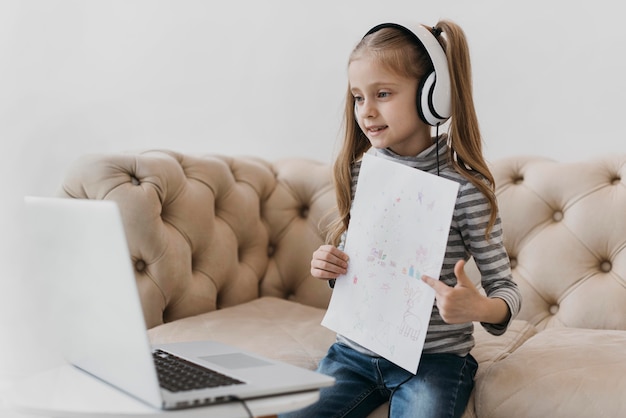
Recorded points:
(401, 83)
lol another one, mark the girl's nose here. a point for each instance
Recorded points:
(363, 110)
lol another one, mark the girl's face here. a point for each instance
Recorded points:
(385, 107)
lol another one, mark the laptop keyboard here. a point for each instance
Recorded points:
(177, 374)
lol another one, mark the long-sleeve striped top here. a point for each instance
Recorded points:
(466, 239)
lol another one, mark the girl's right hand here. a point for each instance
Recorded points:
(328, 262)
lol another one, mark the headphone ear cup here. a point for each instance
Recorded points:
(424, 100)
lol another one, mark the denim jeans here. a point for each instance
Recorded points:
(440, 389)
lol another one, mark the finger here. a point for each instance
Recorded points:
(332, 255)
(323, 275)
(461, 277)
(325, 268)
(328, 262)
(440, 287)
(335, 252)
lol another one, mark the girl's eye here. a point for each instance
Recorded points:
(358, 99)
(384, 94)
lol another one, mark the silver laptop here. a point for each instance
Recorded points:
(80, 260)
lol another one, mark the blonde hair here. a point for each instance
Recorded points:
(399, 54)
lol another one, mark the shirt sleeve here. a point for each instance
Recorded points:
(489, 254)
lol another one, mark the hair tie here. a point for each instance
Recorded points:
(436, 31)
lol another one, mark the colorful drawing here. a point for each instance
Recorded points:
(395, 236)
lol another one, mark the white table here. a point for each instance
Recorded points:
(68, 392)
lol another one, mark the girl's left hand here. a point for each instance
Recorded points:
(460, 303)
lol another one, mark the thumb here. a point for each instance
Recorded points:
(462, 279)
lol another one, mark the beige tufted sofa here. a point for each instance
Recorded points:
(221, 247)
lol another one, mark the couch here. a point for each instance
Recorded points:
(221, 247)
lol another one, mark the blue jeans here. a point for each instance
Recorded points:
(440, 389)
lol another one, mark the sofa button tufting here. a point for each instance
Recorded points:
(557, 216)
(554, 309)
(605, 266)
(616, 180)
(140, 266)
(518, 179)
(513, 262)
(134, 180)
(270, 250)
(304, 212)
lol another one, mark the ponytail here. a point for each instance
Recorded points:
(465, 150)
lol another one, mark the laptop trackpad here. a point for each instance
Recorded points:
(235, 361)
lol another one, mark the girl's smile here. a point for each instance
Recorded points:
(374, 130)
(385, 107)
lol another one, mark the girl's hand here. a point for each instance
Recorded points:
(328, 262)
(464, 303)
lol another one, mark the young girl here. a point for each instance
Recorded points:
(402, 82)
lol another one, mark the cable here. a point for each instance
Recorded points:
(437, 142)
(394, 391)
(244, 404)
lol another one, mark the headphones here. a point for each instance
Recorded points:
(434, 92)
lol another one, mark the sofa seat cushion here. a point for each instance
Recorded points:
(563, 372)
(269, 326)
(490, 348)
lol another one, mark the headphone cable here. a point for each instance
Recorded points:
(244, 404)
(437, 142)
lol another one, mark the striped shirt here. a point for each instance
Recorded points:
(466, 239)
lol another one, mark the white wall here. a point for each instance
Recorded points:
(267, 78)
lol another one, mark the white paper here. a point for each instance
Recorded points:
(399, 224)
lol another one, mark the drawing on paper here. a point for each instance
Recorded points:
(398, 231)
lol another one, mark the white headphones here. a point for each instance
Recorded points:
(434, 92)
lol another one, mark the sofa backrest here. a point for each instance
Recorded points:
(565, 232)
(208, 232)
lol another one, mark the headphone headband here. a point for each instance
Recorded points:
(434, 94)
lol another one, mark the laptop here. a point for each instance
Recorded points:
(81, 263)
